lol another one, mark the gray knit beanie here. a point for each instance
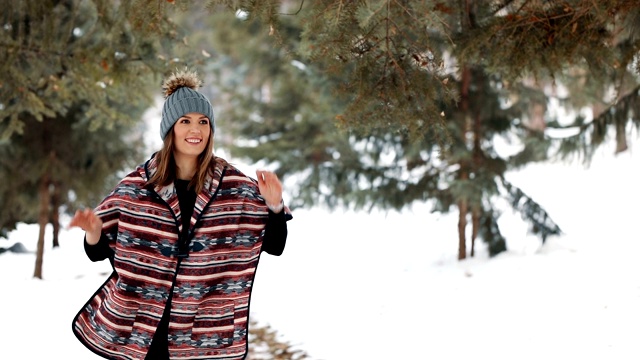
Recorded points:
(182, 97)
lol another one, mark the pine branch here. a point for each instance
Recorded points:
(490, 233)
(540, 223)
(591, 135)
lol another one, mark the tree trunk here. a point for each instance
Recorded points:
(463, 206)
(476, 166)
(55, 214)
(475, 224)
(462, 226)
(537, 122)
(43, 220)
(621, 137)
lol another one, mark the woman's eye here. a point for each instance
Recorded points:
(204, 122)
(184, 121)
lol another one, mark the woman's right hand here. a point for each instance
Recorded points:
(90, 223)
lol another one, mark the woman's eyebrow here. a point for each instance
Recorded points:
(199, 118)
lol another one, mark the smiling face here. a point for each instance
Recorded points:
(190, 135)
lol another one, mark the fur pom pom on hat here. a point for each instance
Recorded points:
(182, 97)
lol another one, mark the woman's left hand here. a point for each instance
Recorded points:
(270, 188)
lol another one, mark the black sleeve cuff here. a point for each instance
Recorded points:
(99, 251)
(275, 233)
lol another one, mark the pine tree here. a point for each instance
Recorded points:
(276, 98)
(62, 164)
(55, 53)
(403, 79)
(589, 48)
(392, 73)
(70, 68)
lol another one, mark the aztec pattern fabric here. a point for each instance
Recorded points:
(211, 287)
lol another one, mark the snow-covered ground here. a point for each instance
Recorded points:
(387, 286)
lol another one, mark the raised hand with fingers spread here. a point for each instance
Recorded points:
(88, 221)
(270, 189)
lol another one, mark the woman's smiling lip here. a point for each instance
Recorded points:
(193, 140)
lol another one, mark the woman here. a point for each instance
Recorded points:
(184, 233)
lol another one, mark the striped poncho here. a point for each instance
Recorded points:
(210, 279)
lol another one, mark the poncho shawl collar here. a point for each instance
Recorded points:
(169, 194)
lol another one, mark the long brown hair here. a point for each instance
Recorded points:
(166, 169)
